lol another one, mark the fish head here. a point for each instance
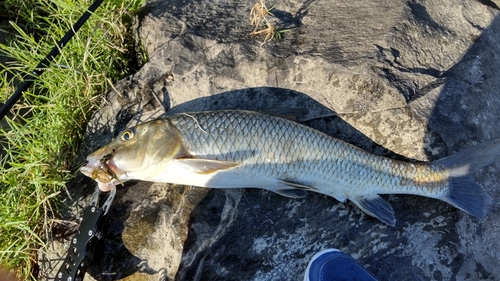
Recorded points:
(142, 150)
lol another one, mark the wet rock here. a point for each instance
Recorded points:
(404, 79)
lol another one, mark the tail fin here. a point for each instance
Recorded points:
(468, 196)
(464, 192)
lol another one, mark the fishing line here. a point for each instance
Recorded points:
(42, 65)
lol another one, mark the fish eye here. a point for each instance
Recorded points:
(127, 135)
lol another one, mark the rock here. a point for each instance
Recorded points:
(405, 79)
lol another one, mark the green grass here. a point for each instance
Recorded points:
(41, 136)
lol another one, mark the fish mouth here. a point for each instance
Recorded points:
(103, 171)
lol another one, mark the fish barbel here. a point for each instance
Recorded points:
(238, 149)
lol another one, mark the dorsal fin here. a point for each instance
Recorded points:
(295, 114)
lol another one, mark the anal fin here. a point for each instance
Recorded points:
(376, 207)
(291, 193)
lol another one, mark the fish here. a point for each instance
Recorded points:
(247, 149)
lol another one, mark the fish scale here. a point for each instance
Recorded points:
(237, 149)
(204, 136)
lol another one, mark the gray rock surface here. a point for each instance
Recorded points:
(406, 79)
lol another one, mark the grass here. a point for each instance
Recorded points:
(41, 135)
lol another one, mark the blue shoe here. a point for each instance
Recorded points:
(332, 264)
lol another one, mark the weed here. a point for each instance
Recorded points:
(262, 25)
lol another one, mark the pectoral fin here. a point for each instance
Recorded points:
(205, 166)
(376, 207)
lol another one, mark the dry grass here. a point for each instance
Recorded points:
(259, 19)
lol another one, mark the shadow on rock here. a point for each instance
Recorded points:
(467, 112)
(112, 260)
